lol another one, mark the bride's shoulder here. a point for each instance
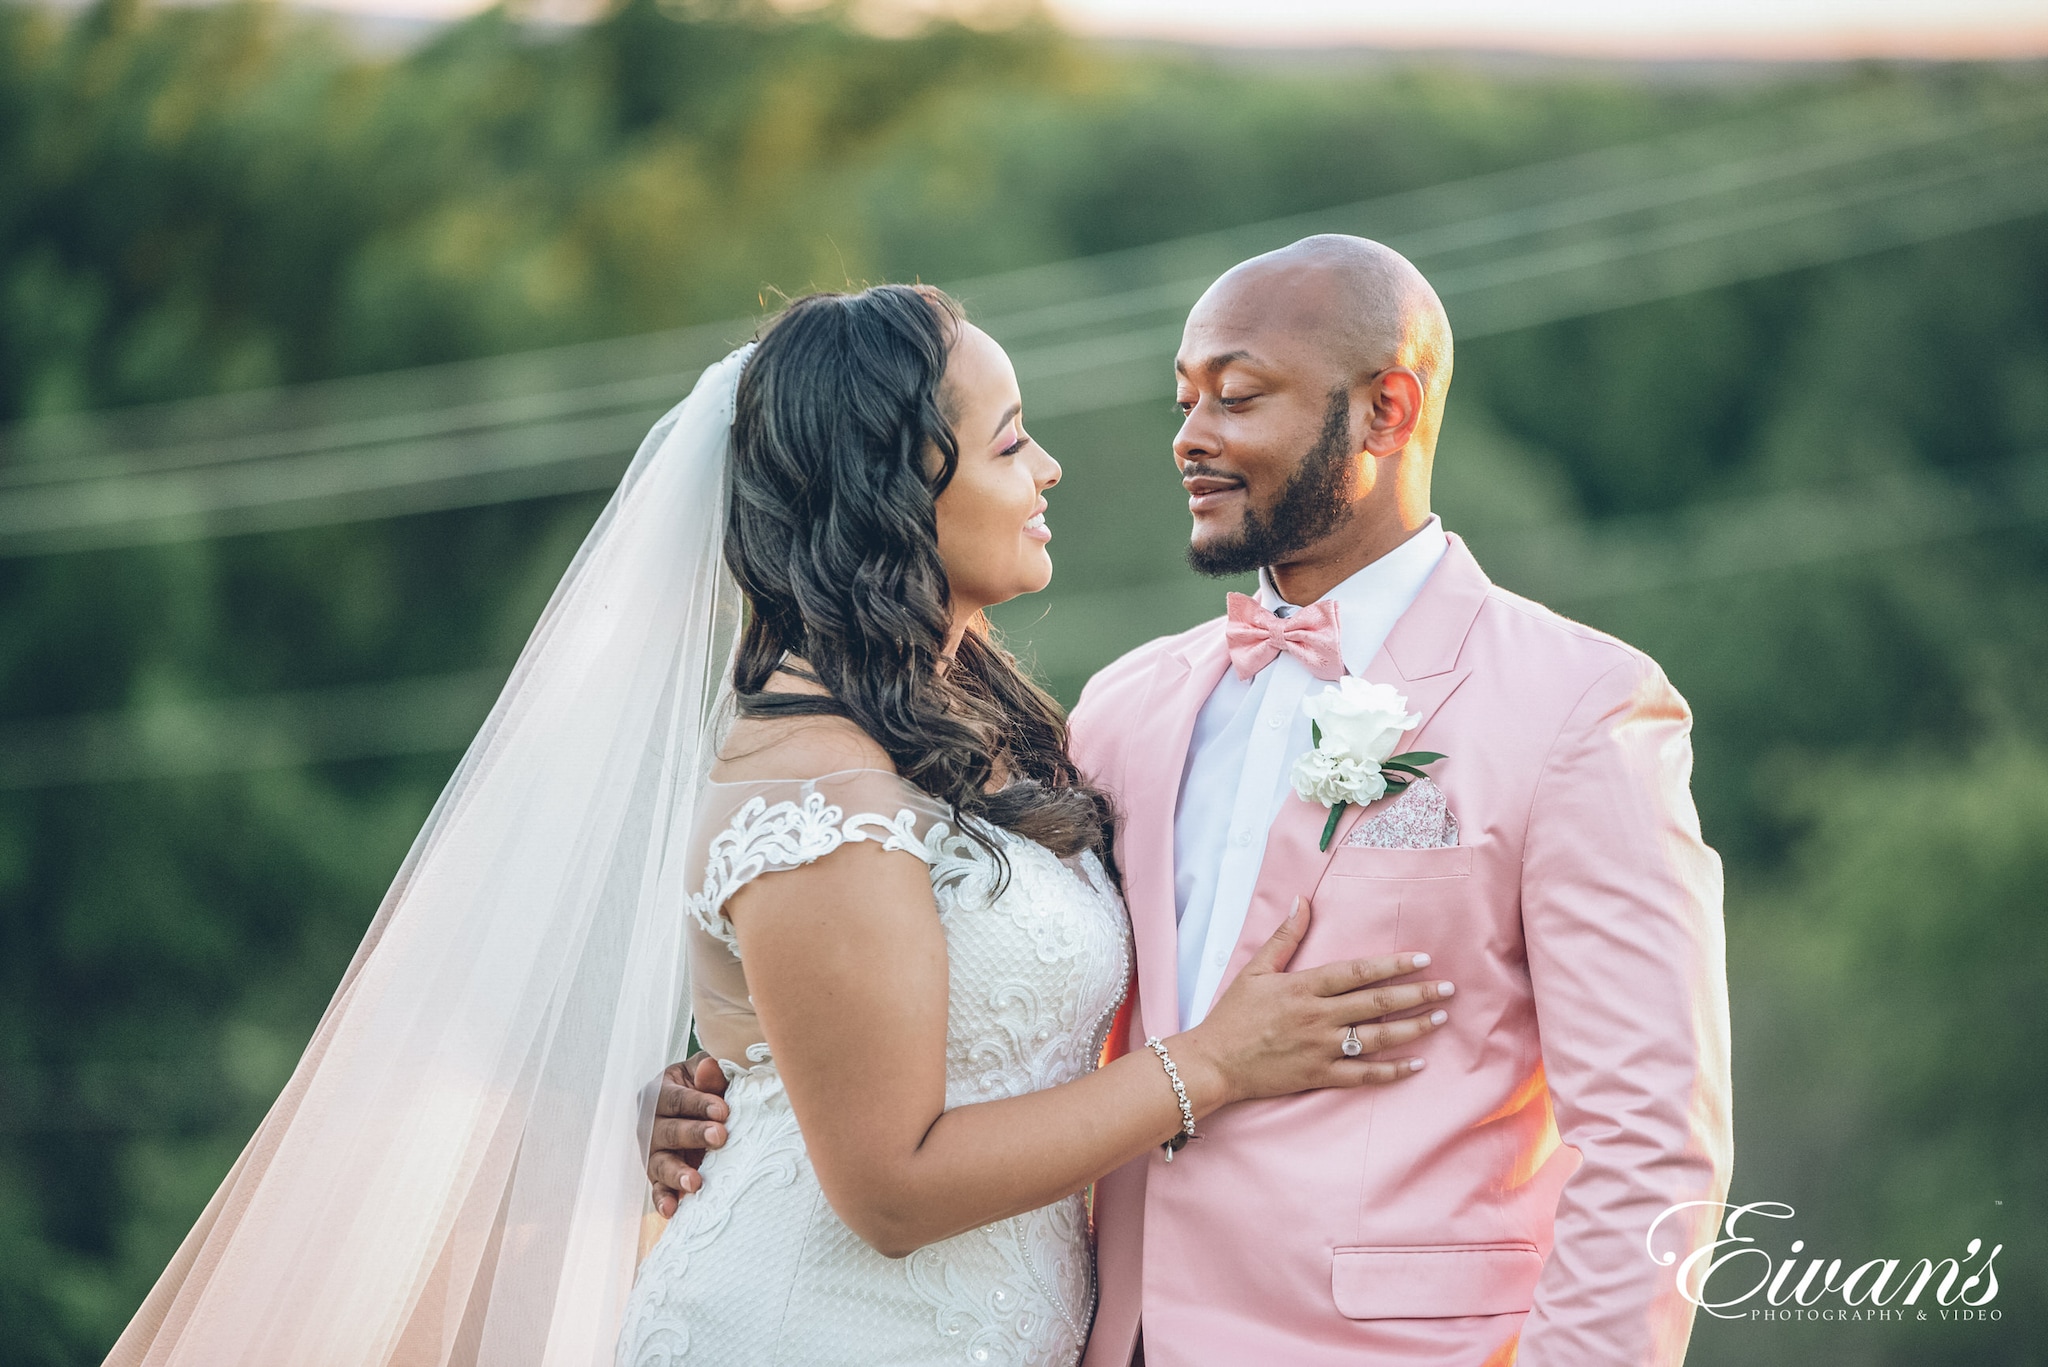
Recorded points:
(799, 749)
(787, 791)
(768, 764)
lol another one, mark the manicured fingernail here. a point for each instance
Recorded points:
(1422, 961)
(714, 1135)
(1415, 1065)
(1446, 989)
(1439, 1017)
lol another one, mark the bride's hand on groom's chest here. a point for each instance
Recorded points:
(1372, 901)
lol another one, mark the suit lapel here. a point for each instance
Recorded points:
(1151, 793)
(1293, 865)
(1420, 658)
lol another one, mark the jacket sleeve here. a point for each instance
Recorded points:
(1621, 912)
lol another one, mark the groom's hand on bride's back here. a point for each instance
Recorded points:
(689, 1119)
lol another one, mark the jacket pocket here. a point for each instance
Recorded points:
(1439, 1281)
(1367, 861)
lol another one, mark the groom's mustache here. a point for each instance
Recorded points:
(1208, 479)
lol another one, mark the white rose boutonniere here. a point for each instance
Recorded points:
(1355, 726)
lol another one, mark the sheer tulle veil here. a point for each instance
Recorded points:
(454, 1172)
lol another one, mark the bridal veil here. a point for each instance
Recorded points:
(454, 1173)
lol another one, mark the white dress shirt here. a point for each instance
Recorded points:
(1246, 739)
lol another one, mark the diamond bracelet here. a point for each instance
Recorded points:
(1180, 1094)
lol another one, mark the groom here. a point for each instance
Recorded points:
(1494, 1207)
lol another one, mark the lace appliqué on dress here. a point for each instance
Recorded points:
(767, 1153)
(1038, 963)
(1419, 819)
(1038, 1313)
(1019, 1025)
(762, 838)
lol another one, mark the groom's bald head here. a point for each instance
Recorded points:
(1313, 379)
(1361, 306)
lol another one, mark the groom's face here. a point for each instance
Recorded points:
(1264, 448)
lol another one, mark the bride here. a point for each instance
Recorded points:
(909, 1011)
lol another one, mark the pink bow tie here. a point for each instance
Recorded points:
(1256, 637)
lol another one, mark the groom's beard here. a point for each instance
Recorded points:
(1311, 505)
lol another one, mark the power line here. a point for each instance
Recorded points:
(1567, 565)
(172, 738)
(1775, 236)
(571, 440)
(466, 470)
(1032, 300)
(1577, 565)
(561, 421)
(1490, 208)
(1437, 223)
(453, 420)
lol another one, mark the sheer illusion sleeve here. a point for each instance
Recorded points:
(747, 830)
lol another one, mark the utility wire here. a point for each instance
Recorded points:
(574, 440)
(1436, 223)
(181, 737)
(521, 431)
(1745, 241)
(1579, 565)
(1503, 203)
(1488, 212)
(1564, 564)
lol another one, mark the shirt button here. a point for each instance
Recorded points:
(1274, 723)
(1240, 838)
(1219, 958)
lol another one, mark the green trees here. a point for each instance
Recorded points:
(203, 199)
(220, 198)
(1889, 1029)
(1812, 496)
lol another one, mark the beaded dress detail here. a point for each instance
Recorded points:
(757, 1269)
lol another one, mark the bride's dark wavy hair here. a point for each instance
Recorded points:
(832, 534)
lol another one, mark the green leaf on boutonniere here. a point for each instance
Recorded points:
(1414, 757)
(1315, 734)
(1330, 826)
(1404, 768)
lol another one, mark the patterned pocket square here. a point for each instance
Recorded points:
(1419, 819)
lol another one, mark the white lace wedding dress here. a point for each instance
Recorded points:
(756, 1269)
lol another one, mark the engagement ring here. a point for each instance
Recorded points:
(1352, 1046)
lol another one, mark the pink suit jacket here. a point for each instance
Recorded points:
(1501, 1197)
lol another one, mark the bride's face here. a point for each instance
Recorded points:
(992, 532)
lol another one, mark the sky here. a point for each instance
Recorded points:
(1619, 28)
(1654, 29)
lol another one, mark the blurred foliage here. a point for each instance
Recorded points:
(202, 199)
(1889, 1031)
(199, 200)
